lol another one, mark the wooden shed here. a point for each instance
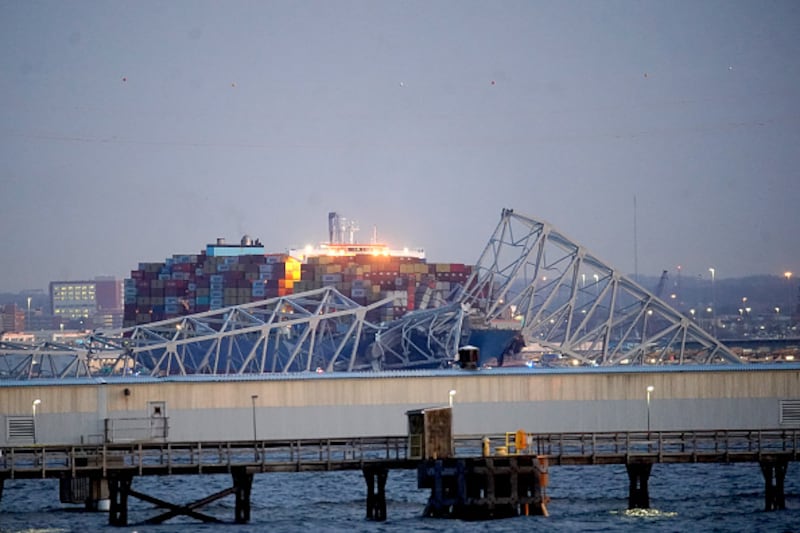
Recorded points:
(430, 433)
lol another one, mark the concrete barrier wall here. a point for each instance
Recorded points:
(343, 406)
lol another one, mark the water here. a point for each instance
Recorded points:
(710, 497)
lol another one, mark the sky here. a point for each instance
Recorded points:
(134, 131)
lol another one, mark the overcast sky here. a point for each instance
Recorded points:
(132, 131)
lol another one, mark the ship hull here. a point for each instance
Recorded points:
(493, 344)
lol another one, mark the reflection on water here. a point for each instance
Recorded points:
(647, 513)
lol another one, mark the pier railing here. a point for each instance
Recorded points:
(658, 446)
(148, 458)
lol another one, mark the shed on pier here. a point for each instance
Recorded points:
(430, 433)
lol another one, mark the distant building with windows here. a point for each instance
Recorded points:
(12, 318)
(110, 295)
(87, 304)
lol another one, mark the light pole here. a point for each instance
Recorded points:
(35, 403)
(788, 276)
(28, 319)
(713, 303)
(254, 397)
(649, 389)
(451, 394)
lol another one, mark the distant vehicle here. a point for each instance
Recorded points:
(550, 358)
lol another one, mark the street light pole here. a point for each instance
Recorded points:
(650, 389)
(254, 397)
(35, 403)
(28, 319)
(713, 303)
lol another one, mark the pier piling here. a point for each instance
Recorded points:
(774, 474)
(119, 485)
(376, 500)
(638, 493)
(242, 483)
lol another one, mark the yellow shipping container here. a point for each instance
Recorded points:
(442, 267)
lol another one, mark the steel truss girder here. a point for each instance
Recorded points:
(567, 300)
(315, 330)
(425, 338)
(43, 360)
(571, 302)
(311, 331)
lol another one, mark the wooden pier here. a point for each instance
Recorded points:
(116, 466)
(485, 487)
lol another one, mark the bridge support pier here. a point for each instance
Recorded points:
(774, 473)
(375, 476)
(638, 493)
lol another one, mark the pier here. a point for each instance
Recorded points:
(461, 480)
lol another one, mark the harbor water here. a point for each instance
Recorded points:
(693, 497)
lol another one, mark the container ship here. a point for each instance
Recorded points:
(229, 274)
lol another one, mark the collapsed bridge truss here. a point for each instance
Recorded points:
(561, 297)
(570, 302)
(315, 331)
